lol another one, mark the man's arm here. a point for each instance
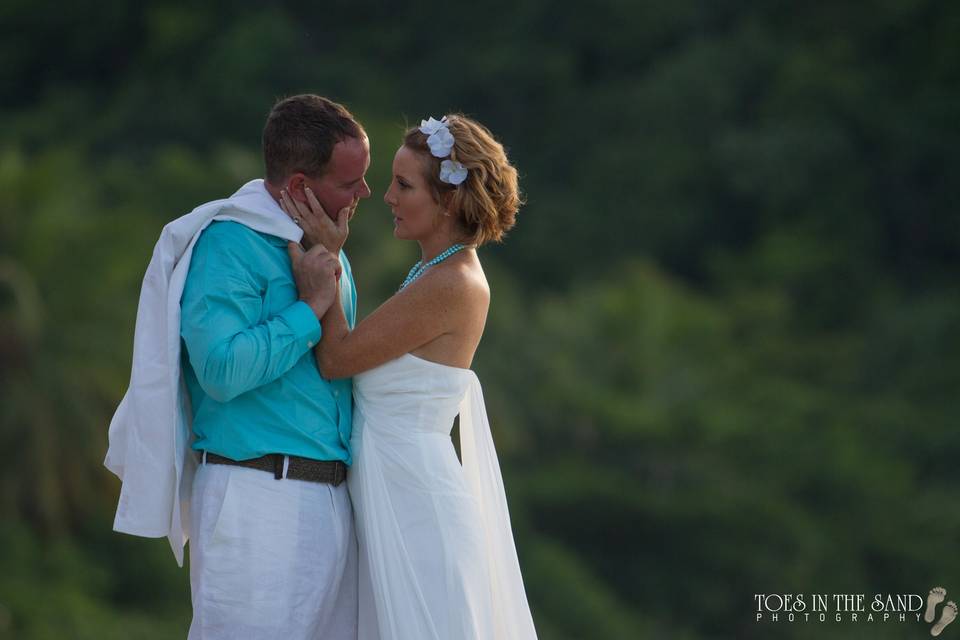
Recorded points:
(230, 350)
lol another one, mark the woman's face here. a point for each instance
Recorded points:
(415, 212)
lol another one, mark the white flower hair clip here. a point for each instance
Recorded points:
(452, 172)
(441, 141)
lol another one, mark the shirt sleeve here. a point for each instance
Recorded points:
(230, 349)
(350, 305)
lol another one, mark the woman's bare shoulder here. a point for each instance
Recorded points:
(460, 281)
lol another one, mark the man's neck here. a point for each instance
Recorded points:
(272, 190)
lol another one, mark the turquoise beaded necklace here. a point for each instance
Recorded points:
(417, 270)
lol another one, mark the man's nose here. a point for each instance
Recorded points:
(364, 189)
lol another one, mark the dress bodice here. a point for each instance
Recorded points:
(410, 395)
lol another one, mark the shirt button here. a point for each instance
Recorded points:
(336, 394)
(310, 343)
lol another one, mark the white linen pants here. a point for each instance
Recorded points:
(271, 559)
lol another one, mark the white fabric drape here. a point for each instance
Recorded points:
(482, 469)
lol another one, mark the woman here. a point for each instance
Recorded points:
(437, 553)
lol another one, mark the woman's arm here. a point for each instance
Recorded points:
(430, 307)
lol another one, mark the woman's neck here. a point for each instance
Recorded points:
(431, 247)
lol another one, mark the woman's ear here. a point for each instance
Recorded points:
(446, 199)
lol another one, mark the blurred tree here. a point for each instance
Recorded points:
(721, 357)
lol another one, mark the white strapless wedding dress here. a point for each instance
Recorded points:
(437, 558)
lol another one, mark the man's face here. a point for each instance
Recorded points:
(343, 183)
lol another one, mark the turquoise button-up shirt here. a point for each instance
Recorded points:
(248, 352)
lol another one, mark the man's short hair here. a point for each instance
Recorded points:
(300, 134)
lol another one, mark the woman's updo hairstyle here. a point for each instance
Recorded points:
(485, 204)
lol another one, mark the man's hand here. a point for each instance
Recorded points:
(317, 226)
(316, 273)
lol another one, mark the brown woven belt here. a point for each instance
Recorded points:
(326, 471)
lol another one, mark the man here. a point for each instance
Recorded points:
(273, 552)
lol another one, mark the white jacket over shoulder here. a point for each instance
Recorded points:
(150, 433)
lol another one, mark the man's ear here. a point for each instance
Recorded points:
(295, 184)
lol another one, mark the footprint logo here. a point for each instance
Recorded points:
(937, 594)
(946, 617)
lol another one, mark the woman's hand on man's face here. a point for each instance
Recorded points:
(317, 226)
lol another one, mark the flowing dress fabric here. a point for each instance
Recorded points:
(437, 557)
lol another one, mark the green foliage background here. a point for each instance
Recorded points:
(722, 356)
